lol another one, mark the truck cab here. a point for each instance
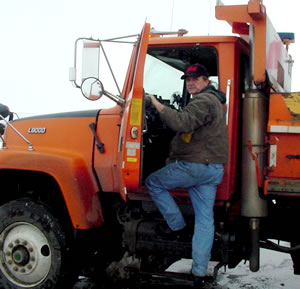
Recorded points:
(74, 182)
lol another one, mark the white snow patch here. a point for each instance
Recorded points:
(276, 271)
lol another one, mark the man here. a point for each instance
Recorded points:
(198, 152)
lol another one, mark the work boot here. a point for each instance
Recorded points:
(164, 231)
(200, 281)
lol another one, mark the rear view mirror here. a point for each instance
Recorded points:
(85, 72)
(90, 59)
(86, 61)
(92, 88)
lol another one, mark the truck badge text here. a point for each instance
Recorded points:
(36, 130)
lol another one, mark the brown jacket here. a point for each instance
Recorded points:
(204, 118)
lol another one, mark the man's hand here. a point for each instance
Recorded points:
(159, 106)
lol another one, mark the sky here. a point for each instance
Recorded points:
(38, 36)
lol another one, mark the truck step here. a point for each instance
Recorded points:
(166, 280)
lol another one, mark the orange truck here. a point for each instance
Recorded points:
(73, 198)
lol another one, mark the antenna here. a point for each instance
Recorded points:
(209, 17)
(172, 14)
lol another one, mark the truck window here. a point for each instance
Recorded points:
(162, 79)
(165, 65)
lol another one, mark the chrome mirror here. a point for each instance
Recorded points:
(92, 88)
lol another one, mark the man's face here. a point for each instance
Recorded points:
(196, 84)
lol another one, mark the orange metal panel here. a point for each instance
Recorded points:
(278, 110)
(284, 111)
(284, 136)
(64, 152)
(191, 39)
(288, 156)
(227, 71)
(249, 14)
(256, 10)
(129, 165)
(108, 130)
(233, 13)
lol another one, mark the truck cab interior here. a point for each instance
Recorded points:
(162, 77)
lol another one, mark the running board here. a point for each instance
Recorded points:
(172, 279)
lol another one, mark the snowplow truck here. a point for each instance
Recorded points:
(73, 200)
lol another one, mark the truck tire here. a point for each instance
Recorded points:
(33, 248)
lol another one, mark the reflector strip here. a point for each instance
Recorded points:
(285, 128)
(273, 155)
(136, 112)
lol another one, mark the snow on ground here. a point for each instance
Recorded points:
(276, 271)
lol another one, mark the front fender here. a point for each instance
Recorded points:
(73, 175)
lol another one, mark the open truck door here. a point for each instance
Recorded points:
(130, 139)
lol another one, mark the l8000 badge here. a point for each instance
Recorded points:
(37, 130)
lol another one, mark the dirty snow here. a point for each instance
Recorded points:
(276, 271)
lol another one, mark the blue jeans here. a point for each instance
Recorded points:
(201, 181)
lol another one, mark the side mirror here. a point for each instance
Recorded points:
(92, 88)
(88, 80)
(4, 110)
(86, 60)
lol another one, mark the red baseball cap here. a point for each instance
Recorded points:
(195, 70)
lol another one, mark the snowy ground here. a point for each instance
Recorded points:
(276, 271)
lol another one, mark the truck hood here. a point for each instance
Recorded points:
(70, 114)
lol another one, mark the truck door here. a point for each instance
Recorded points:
(130, 139)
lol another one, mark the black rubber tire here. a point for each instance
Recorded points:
(42, 231)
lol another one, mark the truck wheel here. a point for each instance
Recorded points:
(33, 250)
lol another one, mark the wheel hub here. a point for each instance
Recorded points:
(26, 258)
(21, 255)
